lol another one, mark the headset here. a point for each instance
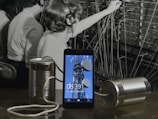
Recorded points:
(70, 20)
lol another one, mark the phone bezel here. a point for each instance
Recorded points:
(78, 105)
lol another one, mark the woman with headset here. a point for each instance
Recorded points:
(60, 19)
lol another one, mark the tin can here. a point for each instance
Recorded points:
(126, 91)
(40, 70)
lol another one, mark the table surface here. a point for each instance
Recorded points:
(145, 110)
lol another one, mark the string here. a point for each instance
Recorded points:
(53, 105)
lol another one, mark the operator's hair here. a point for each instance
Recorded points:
(10, 7)
(28, 3)
(5, 4)
(57, 12)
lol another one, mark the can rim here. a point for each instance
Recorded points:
(41, 61)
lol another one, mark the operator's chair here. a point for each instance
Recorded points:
(7, 71)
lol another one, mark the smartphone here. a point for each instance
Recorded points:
(78, 82)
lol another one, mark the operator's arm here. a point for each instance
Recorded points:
(89, 21)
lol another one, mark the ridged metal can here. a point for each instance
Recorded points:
(126, 91)
(40, 70)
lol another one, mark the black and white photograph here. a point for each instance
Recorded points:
(78, 59)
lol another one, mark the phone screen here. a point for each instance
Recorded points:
(78, 89)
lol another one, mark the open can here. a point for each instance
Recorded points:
(40, 71)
